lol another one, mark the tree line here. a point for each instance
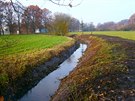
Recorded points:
(28, 19)
(123, 25)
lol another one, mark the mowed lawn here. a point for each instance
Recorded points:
(14, 44)
(122, 34)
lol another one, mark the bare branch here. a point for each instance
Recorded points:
(58, 3)
(70, 4)
(19, 5)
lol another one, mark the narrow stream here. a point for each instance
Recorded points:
(48, 85)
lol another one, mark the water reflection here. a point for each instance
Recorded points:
(48, 85)
(83, 47)
(1, 98)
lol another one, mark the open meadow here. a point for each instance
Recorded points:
(122, 34)
(20, 44)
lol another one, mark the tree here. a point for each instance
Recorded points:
(1, 16)
(123, 25)
(106, 26)
(132, 22)
(10, 18)
(19, 11)
(91, 27)
(74, 25)
(26, 22)
(61, 23)
(88, 27)
(32, 18)
(46, 18)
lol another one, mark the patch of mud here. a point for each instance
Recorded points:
(125, 89)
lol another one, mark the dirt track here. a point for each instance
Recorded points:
(125, 89)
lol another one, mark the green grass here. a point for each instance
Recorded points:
(22, 53)
(13, 44)
(123, 34)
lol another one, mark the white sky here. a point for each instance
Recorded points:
(96, 11)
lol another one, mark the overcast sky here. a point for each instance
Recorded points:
(96, 11)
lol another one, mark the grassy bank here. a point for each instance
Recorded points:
(122, 34)
(19, 53)
(101, 60)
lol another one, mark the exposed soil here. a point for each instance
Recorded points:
(118, 86)
(125, 90)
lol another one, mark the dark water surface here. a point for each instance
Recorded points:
(49, 84)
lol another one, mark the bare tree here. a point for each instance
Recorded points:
(107, 26)
(32, 18)
(46, 18)
(26, 21)
(1, 17)
(132, 22)
(74, 25)
(19, 13)
(10, 17)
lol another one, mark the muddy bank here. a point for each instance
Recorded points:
(104, 73)
(124, 83)
(32, 76)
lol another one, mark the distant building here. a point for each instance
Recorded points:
(37, 31)
(6, 30)
(42, 30)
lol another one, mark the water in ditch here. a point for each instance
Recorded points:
(49, 84)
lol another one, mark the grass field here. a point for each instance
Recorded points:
(13, 44)
(21, 53)
(122, 34)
